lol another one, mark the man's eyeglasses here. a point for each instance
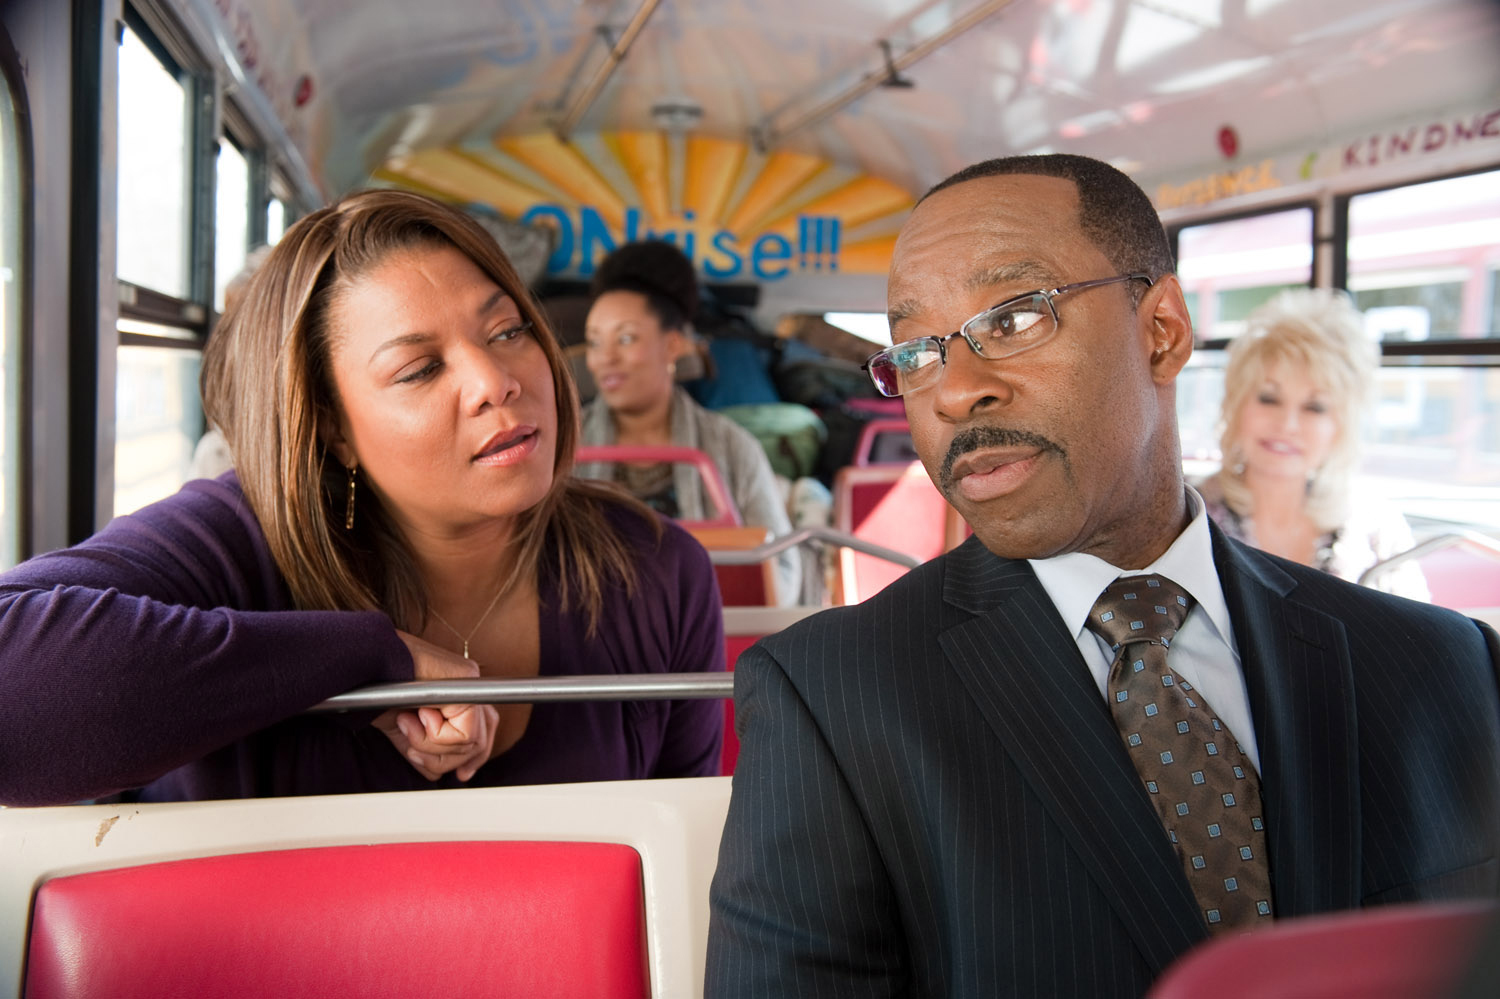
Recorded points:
(1014, 325)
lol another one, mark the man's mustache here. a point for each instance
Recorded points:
(974, 438)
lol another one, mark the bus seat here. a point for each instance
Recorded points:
(885, 442)
(739, 585)
(727, 515)
(1462, 578)
(1385, 952)
(878, 406)
(372, 894)
(485, 918)
(743, 627)
(893, 505)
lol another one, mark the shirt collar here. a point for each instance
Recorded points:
(1075, 580)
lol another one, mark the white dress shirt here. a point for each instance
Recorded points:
(1203, 652)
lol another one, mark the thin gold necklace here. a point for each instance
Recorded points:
(482, 618)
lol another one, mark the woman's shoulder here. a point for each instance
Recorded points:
(199, 545)
(218, 505)
(727, 428)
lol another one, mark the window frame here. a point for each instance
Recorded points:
(1313, 205)
(17, 477)
(1485, 350)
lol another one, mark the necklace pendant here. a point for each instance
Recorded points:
(466, 649)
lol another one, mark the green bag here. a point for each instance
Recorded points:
(791, 435)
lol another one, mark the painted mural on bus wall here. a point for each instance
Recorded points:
(1431, 140)
(738, 214)
(270, 39)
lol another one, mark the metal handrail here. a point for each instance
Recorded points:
(534, 690)
(1438, 542)
(750, 556)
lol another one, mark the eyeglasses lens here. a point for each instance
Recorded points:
(1013, 326)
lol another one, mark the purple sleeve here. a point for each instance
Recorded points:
(694, 735)
(167, 635)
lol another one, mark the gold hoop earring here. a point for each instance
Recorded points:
(349, 506)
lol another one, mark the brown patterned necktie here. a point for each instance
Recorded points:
(1203, 786)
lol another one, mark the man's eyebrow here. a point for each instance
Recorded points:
(900, 311)
(1028, 271)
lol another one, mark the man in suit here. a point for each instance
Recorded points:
(938, 792)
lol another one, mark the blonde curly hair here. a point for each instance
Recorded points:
(1320, 333)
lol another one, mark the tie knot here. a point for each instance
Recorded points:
(1139, 609)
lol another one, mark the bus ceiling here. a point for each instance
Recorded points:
(788, 138)
(905, 92)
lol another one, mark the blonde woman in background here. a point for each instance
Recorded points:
(1297, 383)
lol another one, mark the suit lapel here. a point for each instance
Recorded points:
(1023, 670)
(1301, 689)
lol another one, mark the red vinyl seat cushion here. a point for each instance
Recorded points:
(1386, 952)
(492, 918)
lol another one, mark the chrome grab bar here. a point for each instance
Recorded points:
(1449, 539)
(750, 556)
(534, 690)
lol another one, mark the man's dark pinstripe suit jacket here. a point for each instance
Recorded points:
(931, 798)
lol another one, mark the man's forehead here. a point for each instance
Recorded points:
(974, 279)
(1019, 215)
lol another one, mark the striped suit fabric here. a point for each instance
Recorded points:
(932, 799)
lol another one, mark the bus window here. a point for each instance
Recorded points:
(158, 416)
(275, 220)
(872, 326)
(154, 193)
(1423, 259)
(1434, 441)
(165, 283)
(10, 330)
(231, 218)
(1228, 268)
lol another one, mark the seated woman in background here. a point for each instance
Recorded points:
(402, 507)
(1295, 387)
(645, 297)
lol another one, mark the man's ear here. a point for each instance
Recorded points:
(1171, 330)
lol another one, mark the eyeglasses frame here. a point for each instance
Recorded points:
(1047, 296)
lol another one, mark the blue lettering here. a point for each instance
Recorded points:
(632, 224)
(592, 232)
(666, 236)
(723, 242)
(770, 249)
(563, 255)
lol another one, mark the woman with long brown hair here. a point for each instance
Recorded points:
(402, 507)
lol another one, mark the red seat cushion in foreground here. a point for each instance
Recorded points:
(402, 919)
(1385, 952)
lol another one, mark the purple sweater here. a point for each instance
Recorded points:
(164, 654)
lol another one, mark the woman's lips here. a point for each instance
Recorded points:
(508, 447)
(1281, 447)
